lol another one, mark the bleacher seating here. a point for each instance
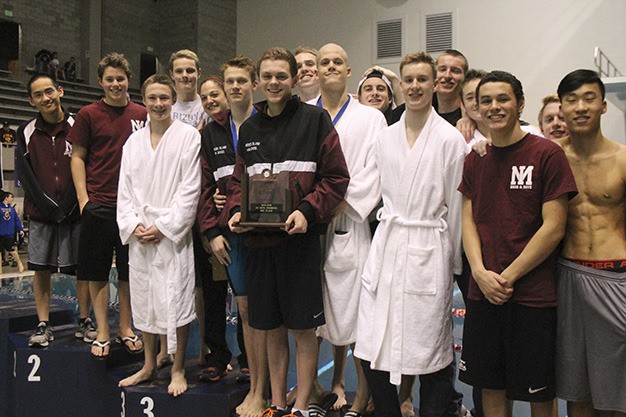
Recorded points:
(14, 106)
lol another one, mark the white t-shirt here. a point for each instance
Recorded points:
(189, 112)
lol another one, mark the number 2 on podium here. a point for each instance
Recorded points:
(36, 361)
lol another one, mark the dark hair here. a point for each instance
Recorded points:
(114, 60)
(575, 79)
(279, 54)
(473, 74)
(375, 74)
(35, 78)
(502, 77)
(217, 80)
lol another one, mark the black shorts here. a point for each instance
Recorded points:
(99, 239)
(510, 347)
(7, 243)
(284, 284)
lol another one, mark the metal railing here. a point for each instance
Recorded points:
(604, 64)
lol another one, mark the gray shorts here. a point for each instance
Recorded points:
(591, 336)
(53, 247)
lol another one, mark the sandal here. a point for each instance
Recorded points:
(325, 404)
(130, 342)
(102, 345)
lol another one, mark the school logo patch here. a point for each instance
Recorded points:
(68, 149)
(137, 124)
(522, 177)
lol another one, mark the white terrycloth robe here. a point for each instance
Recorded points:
(161, 187)
(346, 252)
(405, 322)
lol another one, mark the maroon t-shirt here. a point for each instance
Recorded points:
(508, 187)
(103, 131)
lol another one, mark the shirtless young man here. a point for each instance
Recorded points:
(591, 359)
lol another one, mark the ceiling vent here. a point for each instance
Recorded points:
(438, 32)
(389, 39)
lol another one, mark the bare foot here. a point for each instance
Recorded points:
(341, 396)
(204, 351)
(406, 408)
(144, 374)
(317, 392)
(291, 396)
(164, 359)
(201, 361)
(244, 404)
(100, 349)
(178, 384)
(254, 409)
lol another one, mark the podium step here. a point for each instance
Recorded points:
(210, 399)
(64, 379)
(20, 315)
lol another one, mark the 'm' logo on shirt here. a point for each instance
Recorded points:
(68, 149)
(137, 124)
(522, 177)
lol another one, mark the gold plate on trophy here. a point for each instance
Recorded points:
(265, 199)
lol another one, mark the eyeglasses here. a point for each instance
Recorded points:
(38, 95)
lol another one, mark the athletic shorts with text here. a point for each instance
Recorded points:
(591, 336)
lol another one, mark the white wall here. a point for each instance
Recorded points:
(537, 40)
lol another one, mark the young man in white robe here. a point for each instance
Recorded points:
(348, 237)
(158, 196)
(405, 321)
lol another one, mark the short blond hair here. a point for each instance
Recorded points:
(159, 78)
(242, 62)
(303, 49)
(418, 58)
(550, 98)
(184, 53)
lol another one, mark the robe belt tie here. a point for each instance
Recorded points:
(390, 220)
(396, 219)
